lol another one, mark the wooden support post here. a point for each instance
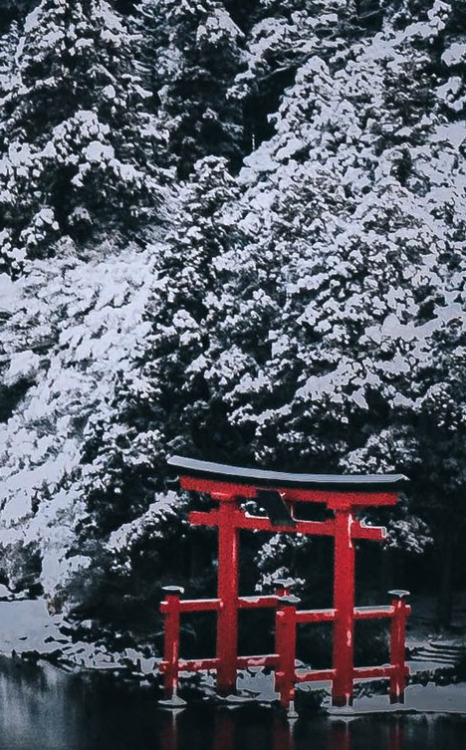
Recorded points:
(397, 645)
(227, 620)
(172, 638)
(285, 642)
(282, 588)
(343, 630)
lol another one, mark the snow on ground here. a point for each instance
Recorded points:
(27, 627)
(418, 697)
(429, 698)
(420, 625)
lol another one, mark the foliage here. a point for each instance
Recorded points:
(196, 50)
(282, 188)
(76, 139)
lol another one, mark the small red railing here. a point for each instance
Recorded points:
(287, 617)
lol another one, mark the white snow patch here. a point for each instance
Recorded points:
(455, 54)
(454, 133)
(23, 365)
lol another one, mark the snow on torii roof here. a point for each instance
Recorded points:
(225, 473)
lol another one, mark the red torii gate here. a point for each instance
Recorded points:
(277, 493)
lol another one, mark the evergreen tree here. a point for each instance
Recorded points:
(196, 51)
(359, 194)
(13, 11)
(78, 148)
(67, 329)
(125, 451)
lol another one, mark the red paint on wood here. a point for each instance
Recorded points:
(262, 523)
(227, 619)
(194, 665)
(315, 615)
(199, 605)
(264, 660)
(343, 602)
(373, 613)
(373, 672)
(172, 643)
(333, 498)
(397, 650)
(229, 518)
(315, 675)
(285, 643)
(257, 602)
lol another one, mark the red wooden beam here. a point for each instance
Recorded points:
(191, 665)
(373, 672)
(373, 533)
(315, 675)
(261, 660)
(373, 613)
(333, 498)
(315, 615)
(211, 663)
(193, 605)
(256, 602)
(262, 523)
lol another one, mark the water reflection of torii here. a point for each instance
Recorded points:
(278, 493)
(339, 733)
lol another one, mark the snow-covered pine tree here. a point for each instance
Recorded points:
(78, 145)
(14, 10)
(292, 320)
(195, 50)
(159, 406)
(280, 37)
(68, 328)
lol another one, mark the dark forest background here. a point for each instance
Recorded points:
(232, 230)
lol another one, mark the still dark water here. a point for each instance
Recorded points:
(43, 708)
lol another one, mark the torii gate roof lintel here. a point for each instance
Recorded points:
(336, 491)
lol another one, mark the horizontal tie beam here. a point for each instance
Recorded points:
(262, 523)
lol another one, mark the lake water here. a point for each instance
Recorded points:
(44, 708)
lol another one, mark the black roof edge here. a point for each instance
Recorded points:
(266, 478)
